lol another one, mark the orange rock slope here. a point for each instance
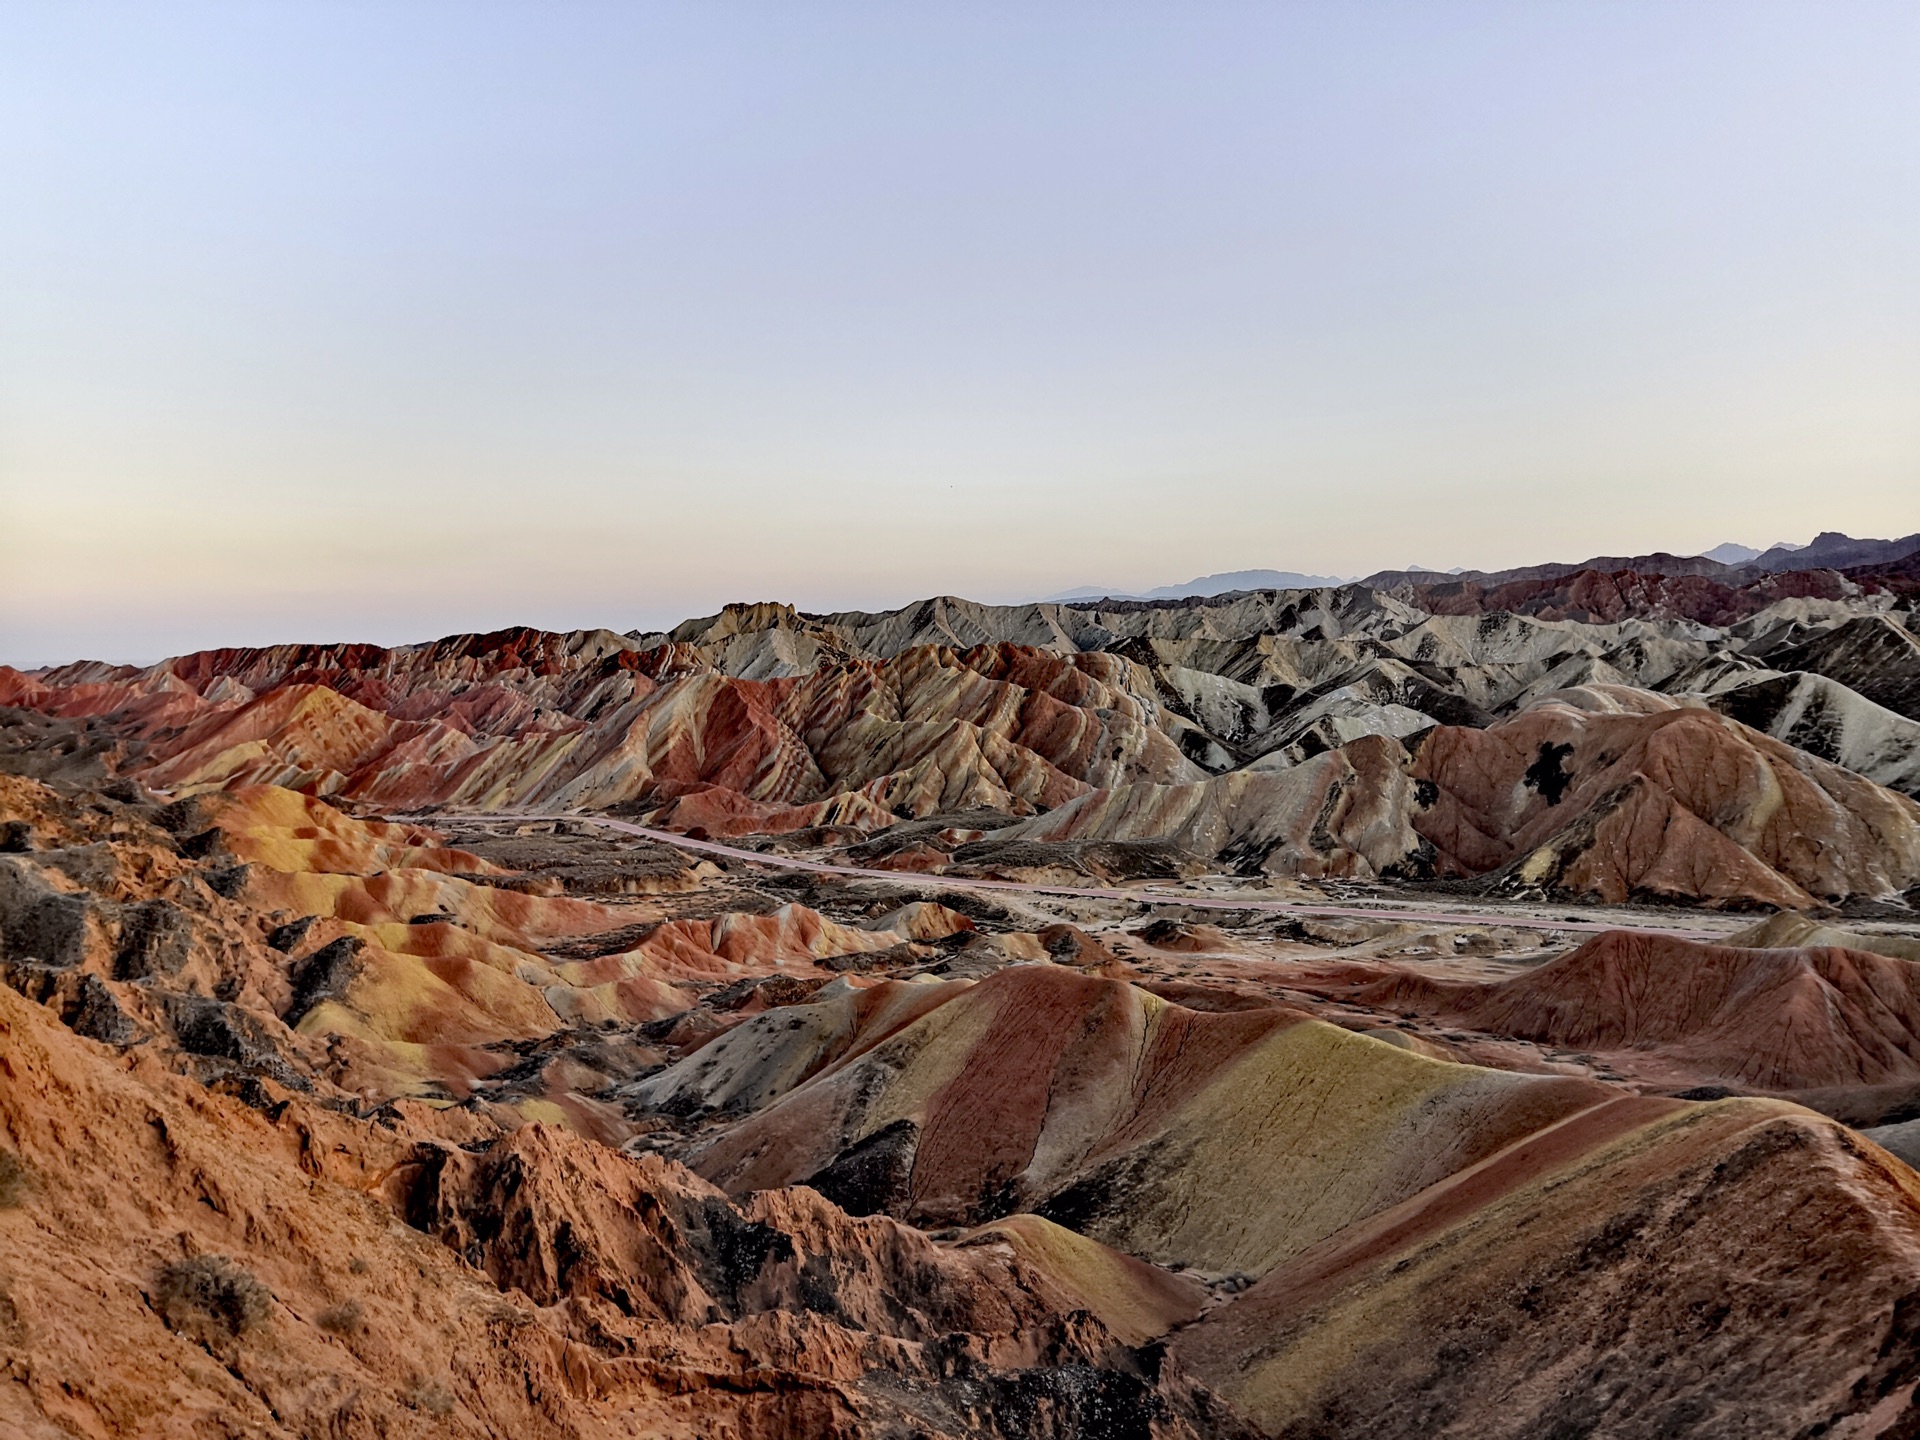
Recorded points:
(275, 1160)
(174, 1263)
(368, 954)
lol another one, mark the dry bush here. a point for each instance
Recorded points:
(16, 1180)
(425, 1396)
(344, 1319)
(210, 1297)
(512, 1316)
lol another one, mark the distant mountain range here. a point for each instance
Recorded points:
(1732, 554)
(1221, 584)
(1730, 562)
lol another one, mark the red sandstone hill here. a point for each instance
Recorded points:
(1609, 596)
(1780, 1019)
(1637, 1272)
(1409, 1226)
(1675, 803)
(515, 722)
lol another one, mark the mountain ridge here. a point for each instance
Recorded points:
(1729, 563)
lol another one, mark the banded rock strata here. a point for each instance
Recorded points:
(1333, 732)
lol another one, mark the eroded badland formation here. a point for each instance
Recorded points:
(1478, 1006)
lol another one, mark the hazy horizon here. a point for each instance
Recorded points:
(381, 322)
(393, 634)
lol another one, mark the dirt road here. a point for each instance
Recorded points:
(1373, 910)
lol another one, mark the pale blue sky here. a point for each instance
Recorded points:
(329, 321)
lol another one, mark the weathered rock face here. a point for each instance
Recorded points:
(558, 1289)
(208, 1225)
(1430, 1248)
(268, 932)
(1674, 804)
(321, 1125)
(557, 1218)
(1871, 655)
(1826, 719)
(525, 719)
(1219, 1140)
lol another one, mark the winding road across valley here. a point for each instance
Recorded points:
(1382, 910)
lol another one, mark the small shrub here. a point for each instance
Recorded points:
(343, 1319)
(358, 1265)
(16, 1180)
(428, 1398)
(209, 1297)
(511, 1316)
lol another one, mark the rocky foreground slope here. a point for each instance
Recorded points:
(214, 1221)
(317, 1126)
(357, 1079)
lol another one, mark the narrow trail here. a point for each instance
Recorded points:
(1382, 910)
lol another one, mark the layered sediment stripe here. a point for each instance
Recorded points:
(1676, 1232)
(1137, 1302)
(1783, 1016)
(1228, 1141)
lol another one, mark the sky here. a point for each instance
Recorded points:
(385, 321)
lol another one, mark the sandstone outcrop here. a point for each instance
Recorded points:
(352, 1084)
